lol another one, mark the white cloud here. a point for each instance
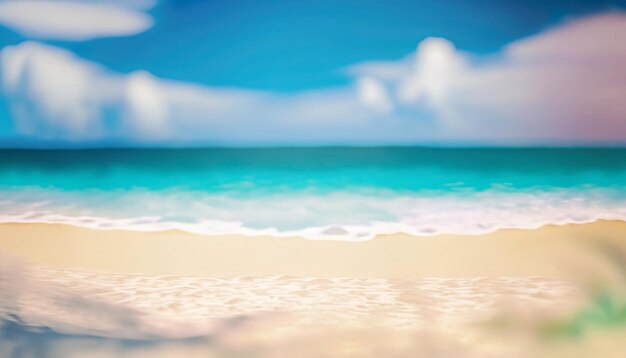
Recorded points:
(73, 20)
(54, 94)
(134, 4)
(567, 84)
(146, 109)
(563, 85)
(373, 93)
(540, 90)
(436, 67)
(594, 37)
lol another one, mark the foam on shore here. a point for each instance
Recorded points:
(346, 216)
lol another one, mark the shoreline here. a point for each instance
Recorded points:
(572, 250)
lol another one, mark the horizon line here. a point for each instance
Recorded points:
(329, 146)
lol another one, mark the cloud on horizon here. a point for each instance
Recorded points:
(564, 85)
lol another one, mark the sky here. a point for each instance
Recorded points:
(341, 72)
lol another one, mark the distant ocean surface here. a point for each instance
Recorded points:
(318, 193)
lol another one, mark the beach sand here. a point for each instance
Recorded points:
(554, 251)
(395, 295)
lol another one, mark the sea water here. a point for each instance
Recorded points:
(341, 193)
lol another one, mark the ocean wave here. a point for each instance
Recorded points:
(345, 215)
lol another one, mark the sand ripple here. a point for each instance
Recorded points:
(134, 305)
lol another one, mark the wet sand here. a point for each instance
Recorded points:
(578, 250)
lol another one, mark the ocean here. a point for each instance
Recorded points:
(342, 193)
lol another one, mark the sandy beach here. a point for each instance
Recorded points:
(437, 296)
(576, 250)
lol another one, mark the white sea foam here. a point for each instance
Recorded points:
(358, 215)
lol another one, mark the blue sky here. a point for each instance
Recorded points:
(306, 72)
(295, 45)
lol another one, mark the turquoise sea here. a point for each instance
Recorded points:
(339, 193)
